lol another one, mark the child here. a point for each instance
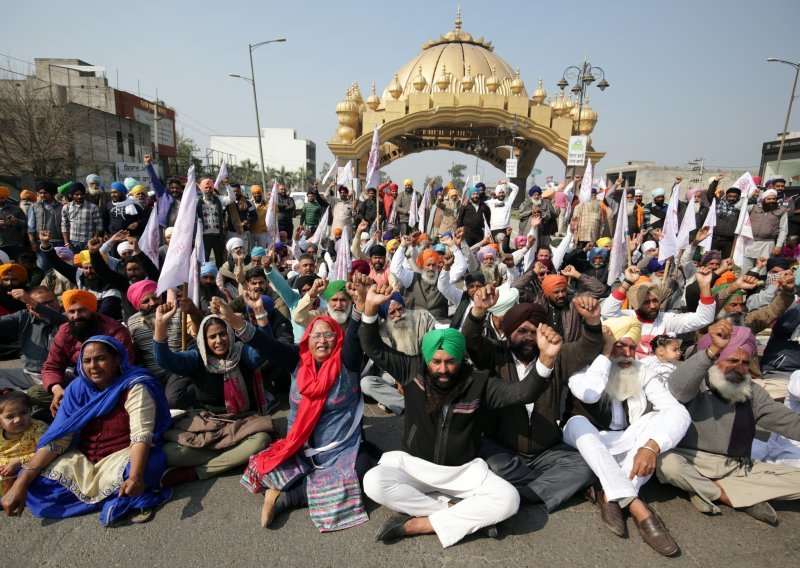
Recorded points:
(665, 351)
(19, 435)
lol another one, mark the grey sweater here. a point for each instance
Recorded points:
(712, 418)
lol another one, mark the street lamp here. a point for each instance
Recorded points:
(252, 81)
(788, 111)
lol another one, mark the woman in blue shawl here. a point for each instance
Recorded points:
(103, 450)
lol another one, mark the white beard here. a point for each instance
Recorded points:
(489, 273)
(339, 317)
(735, 319)
(536, 202)
(402, 335)
(429, 276)
(630, 207)
(623, 383)
(696, 206)
(731, 392)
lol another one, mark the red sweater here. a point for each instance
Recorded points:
(65, 349)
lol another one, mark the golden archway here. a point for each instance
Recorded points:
(457, 94)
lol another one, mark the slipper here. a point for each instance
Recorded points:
(143, 516)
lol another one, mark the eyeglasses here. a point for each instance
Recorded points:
(328, 335)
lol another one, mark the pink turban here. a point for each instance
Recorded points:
(139, 290)
(520, 241)
(742, 338)
(485, 251)
(692, 192)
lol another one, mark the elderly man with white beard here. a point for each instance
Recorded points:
(401, 329)
(420, 289)
(622, 417)
(336, 296)
(713, 461)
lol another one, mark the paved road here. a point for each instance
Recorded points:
(215, 523)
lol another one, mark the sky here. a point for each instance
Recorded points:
(688, 79)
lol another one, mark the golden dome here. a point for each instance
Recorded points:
(395, 89)
(355, 94)
(559, 105)
(443, 80)
(539, 95)
(492, 83)
(347, 104)
(517, 85)
(467, 81)
(588, 119)
(571, 106)
(420, 81)
(457, 50)
(373, 102)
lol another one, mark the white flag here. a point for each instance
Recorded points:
(487, 231)
(175, 271)
(322, 228)
(563, 247)
(413, 209)
(688, 224)
(151, 237)
(619, 247)
(465, 196)
(223, 174)
(198, 258)
(423, 208)
(585, 193)
(374, 161)
(746, 184)
(330, 172)
(669, 234)
(346, 177)
(569, 195)
(710, 222)
(341, 268)
(601, 188)
(273, 235)
(744, 235)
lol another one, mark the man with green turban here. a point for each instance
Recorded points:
(446, 405)
(336, 296)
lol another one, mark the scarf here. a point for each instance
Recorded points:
(128, 205)
(234, 386)
(742, 433)
(83, 402)
(313, 384)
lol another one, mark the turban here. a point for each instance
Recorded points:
(654, 266)
(657, 192)
(92, 177)
(393, 186)
(485, 251)
(206, 183)
(408, 182)
(494, 246)
(519, 314)
(452, 192)
(551, 281)
(16, 270)
(535, 189)
(124, 246)
(388, 236)
(383, 309)
(440, 248)
(603, 241)
(302, 281)
(709, 256)
(376, 250)
(168, 231)
(333, 288)
(233, 243)
(138, 190)
(508, 298)
(256, 189)
(422, 237)
(82, 297)
(258, 251)
(692, 192)
(343, 189)
(720, 287)
(768, 193)
(594, 191)
(119, 186)
(337, 232)
(741, 338)
(138, 290)
(779, 262)
(130, 183)
(279, 247)
(638, 294)
(27, 194)
(639, 192)
(360, 265)
(649, 245)
(364, 236)
(65, 254)
(520, 241)
(475, 277)
(473, 191)
(625, 326)
(480, 185)
(547, 263)
(267, 302)
(757, 180)
(4, 192)
(72, 187)
(48, 186)
(209, 269)
(597, 251)
(426, 255)
(727, 277)
(449, 339)
(437, 191)
(83, 257)
(392, 244)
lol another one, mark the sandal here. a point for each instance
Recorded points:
(143, 516)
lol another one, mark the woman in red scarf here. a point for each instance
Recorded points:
(318, 463)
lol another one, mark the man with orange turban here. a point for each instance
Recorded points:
(561, 314)
(11, 276)
(83, 321)
(420, 289)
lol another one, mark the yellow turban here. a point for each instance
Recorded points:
(603, 242)
(408, 182)
(16, 270)
(139, 189)
(625, 326)
(392, 244)
(82, 258)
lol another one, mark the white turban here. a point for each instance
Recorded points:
(124, 246)
(769, 192)
(659, 191)
(508, 298)
(233, 243)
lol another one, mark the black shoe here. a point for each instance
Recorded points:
(490, 531)
(393, 528)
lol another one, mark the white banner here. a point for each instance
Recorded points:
(669, 235)
(619, 247)
(710, 222)
(151, 237)
(175, 271)
(576, 155)
(197, 259)
(511, 167)
(585, 193)
(374, 161)
(688, 224)
(136, 171)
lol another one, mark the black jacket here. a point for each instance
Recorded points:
(473, 221)
(452, 436)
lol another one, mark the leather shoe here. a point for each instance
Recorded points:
(656, 535)
(393, 528)
(610, 512)
(762, 512)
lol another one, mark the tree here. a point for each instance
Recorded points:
(457, 174)
(185, 155)
(434, 181)
(246, 173)
(324, 169)
(38, 131)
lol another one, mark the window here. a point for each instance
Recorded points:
(131, 146)
(120, 143)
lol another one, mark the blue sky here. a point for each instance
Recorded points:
(688, 78)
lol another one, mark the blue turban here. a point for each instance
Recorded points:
(592, 254)
(267, 302)
(279, 247)
(658, 192)
(474, 190)
(480, 185)
(535, 189)
(655, 266)
(439, 247)
(258, 251)
(383, 309)
(119, 186)
(209, 269)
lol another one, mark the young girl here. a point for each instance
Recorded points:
(19, 435)
(665, 351)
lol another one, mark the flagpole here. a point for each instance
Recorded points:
(733, 247)
(666, 274)
(184, 294)
(628, 249)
